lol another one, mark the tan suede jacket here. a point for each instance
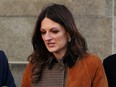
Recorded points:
(87, 72)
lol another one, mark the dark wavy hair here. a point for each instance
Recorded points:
(40, 56)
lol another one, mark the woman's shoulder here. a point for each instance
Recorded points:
(29, 65)
(26, 80)
(28, 70)
(92, 63)
(91, 58)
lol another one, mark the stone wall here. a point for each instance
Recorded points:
(95, 19)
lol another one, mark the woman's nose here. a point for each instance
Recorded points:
(47, 36)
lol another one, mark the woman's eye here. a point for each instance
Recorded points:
(55, 31)
(43, 32)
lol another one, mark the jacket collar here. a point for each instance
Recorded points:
(67, 60)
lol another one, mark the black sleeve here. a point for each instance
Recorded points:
(6, 78)
(110, 69)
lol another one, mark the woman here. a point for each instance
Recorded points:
(6, 78)
(60, 57)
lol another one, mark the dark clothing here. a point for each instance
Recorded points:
(110, 69)
(86, 72)
(6, 78)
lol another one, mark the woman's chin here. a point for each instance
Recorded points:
(52, 51)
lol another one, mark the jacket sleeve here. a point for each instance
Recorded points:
(6, 78)
(100, 79)
(26, 80)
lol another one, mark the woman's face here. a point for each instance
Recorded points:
(54, 36)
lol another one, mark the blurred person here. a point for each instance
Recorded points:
(110, 69)
(60, 56)
(6, 78)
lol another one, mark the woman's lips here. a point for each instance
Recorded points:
(50, 44)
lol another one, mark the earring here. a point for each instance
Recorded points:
(69, 38)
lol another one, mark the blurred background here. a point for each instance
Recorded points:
(95, 19)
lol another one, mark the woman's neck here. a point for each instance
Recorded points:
(59, 55)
